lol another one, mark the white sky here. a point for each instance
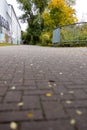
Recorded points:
(81, 10)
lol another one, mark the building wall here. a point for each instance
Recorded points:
(13, 33)
(4, 17)
(3, 8)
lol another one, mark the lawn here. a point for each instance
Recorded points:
(5, 44)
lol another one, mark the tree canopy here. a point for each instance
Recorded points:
(32, 14)
(58, 13)
(44, 15)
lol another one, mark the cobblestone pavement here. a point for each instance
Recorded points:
(43, 88)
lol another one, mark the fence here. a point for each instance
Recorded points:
(74, 33)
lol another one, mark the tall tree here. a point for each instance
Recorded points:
(44, 15)
(58, 13)
(41, 5)
(32, 14)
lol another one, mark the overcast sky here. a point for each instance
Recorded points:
(81, 10)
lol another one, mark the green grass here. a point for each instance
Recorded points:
(5, 44)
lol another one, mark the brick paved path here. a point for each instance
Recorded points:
(43, 88)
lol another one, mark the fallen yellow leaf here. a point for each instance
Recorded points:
(68, 102)
(50, 85)
(60, 73)
(48, 94)
(5, 82)
(54, 84)
(78, 112)
(71, 92)
(30, 115)
(13, 125)
(72, 121)
(20, 104)
(13, 87)
(61, 94)
(31, 64)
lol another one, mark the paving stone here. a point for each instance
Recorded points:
(7, 77)
(17, 80)
(66, 96)
(39, 76)
(42, 84)
(3, 83)
(13, 96)
(31, 102)
(53, 110)
(49, 125)
(67, 83)
(80, 94)
(8, 106)
(59, 89)
(51, 77)
(5, 127)
(16, 84)
(75, 104)
(3, 90)
(28, 76)
(29, 82)
(79, 81)
(49, 98)
(1, 99)
(22, 87)
(37, 92)
(76, 86)
(85, 90)
(81, 120)
(20, 116)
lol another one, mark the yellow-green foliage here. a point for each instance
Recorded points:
(74, 33)
(45, 38)
(5, 44)
(58, 13)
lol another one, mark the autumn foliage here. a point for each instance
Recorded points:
(43, 16)
(58, 13)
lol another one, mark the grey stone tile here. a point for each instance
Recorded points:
(49, 125)
(13, 96)
(53, 110)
